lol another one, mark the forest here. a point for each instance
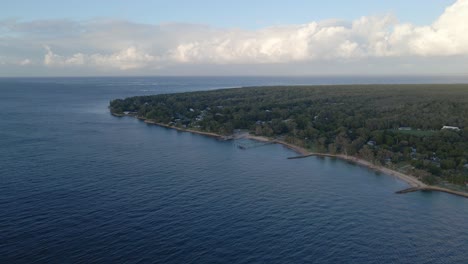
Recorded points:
(419, 129)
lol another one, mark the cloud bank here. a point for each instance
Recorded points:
(121, 46)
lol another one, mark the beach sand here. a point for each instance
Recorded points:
(410, 180)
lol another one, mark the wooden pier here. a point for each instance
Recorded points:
(249, 144)
(433, 189)
(412, 189)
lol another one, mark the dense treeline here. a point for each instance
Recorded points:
(394, 125)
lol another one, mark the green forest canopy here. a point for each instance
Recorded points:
(385, 124)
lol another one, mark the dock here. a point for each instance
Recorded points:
(249, 144)
(313, 155)
(408, 190)
(433, 189)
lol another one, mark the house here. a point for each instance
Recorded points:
(371, 143)
(413, 152)
(451, 128)
(404, 128)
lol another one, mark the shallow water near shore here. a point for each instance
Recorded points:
(79, 185)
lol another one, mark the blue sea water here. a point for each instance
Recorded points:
(78, 185)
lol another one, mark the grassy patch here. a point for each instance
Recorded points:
(418, 133)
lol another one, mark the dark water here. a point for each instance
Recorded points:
(78, 185)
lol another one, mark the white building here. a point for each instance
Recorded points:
(451, 128)
(404, 128)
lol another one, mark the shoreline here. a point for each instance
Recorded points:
(415, 184)
(214, 135)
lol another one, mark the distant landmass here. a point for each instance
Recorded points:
(419, 130)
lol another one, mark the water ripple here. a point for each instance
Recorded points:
(83, 186)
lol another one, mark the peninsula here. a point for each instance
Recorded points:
(418, 133)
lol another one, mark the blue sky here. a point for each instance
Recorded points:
(207, 37)
(240, 13)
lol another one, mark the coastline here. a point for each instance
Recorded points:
(415, 184)
(214, 135)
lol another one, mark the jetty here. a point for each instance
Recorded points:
(408, 190)
(433, 189)
(415, 184)
(249, 144)
(313, 155)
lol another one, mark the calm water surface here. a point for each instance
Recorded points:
(78, 185)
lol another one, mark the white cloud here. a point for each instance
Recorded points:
(447, 36)
(25, 62)
(126, 59)
(130, 58)
(120, 45)
(51, 59)
(367, 37)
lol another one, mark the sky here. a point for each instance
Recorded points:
(207, 37)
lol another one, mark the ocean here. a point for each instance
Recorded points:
(78, 185)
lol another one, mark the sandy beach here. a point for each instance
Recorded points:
(304, 153)
(183, 129)
(410, 180)
(413, 182)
